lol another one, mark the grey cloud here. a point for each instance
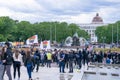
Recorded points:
(74, 9)
(62, 9)
(22, 9)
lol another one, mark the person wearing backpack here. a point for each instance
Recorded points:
(36, 59)
(8, 60)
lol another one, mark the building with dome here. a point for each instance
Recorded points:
(91, 27)
(97, 19)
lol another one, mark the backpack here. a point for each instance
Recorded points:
(89, 55)
(36, 57)
(9, 57)
(77, 56)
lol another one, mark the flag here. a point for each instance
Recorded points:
(45, 45)
(32, 40)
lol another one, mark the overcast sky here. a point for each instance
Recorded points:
(71, 11)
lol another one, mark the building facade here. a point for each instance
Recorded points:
(91, 27)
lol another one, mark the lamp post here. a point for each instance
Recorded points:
(117, 35)
(112, 34)
(103, 38)
(20, 42)
(50, 33)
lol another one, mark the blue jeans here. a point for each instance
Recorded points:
(29, 70)
(62, 66)
(42, 62)
(1, 71)
(49, 63)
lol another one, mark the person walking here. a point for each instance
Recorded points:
(8, 60)
(85, 56)
(2, 51)
(70, 61)
(62, 62)
(17, 57)
(37, 59)
(49, 59)
(29, 64)
(79, 59)
(42, 58)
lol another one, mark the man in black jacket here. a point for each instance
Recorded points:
(79, 59)
(62, 62)
(85, 56)
(37, 59)
(8, 60)
(70, 61)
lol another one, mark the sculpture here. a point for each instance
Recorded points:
(75, 41)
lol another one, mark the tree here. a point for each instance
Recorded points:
(6, 27)
(111, 32)
(13, 30)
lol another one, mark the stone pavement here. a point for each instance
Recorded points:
(91, 72)
(102, 72)
(45, 73)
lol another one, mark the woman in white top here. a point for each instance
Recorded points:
(17, 62)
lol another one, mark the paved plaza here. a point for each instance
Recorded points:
(92, 72)
(45, 73)
(102, 72)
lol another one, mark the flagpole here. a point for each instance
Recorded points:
(50, 34)
(112, 33)
(117, 35)
(55, 33)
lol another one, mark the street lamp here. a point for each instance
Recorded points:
(103, 38)
(112, 33)
(20, 42)
(50, 33)
(55, 33)
(117, 34)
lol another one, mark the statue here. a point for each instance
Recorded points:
(75, 41)
(82, 41)
(68, 41)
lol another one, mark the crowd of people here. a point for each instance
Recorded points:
(32, 59)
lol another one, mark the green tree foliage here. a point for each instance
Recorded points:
(105, 32)
(6, 27)
(13, 30)
(24, 30)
